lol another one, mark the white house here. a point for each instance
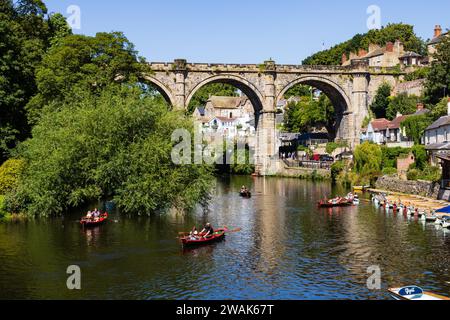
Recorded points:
(437, 137)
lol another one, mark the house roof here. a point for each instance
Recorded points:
(442, 121)
(438, 39)
(395, 124)
(410, 54)
(438, 146)
(375, 53)
(380, 124)
(227, 102)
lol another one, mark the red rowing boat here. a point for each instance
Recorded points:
(93, 222)
(199, 240)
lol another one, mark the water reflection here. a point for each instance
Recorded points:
(287, 249)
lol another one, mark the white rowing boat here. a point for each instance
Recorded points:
(414, 293)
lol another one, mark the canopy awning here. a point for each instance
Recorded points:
(444, 210)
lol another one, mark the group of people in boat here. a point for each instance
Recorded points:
(93, 215)
(245, 190)
(207, 232)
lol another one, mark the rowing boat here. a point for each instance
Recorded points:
(247, 194)
(93, 222)
(414, 293)
(191, 241)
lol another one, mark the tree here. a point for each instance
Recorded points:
(440, 109)
(83, 63)
(403, 104)
(390, 33)
(438, 81)
(414, 127)
(298, 91)
(380, 103)
(368, 160)
(113, 144)
(25, 36)
(202, 96)
(420, 154)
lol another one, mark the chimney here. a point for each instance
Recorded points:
(362, 53)
(344, 58)
(399, 47)
(448, 105)
(420, 106)
(389, 47)
(437, 31)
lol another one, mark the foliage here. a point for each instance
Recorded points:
(242, 164)
(390, 156)
(79, 63)
(25, 34)
(368, 159)
(336, 169)
(332, 146)
(420, 73)
(403, 103)
(390, 33)
(3, 211)
(414, 127)
(202, 96)
(117, 144)
(381, 101)
(9, 174)
(438, 81)
(301, 116)
(389, 171)
(429, 173)
(420, 154)
(440, 109)
(413, 174)
(298, 91)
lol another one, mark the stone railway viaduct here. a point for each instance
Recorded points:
(351, 90)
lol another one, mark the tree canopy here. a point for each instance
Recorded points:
(115, 144)
(381, 101)
(438, 80)
(390, 33)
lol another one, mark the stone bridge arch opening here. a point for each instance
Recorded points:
(247, 88)
(337, 96)
(160, 88)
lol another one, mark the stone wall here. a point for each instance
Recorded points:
(420, 188)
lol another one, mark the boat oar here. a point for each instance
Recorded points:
(227, 230)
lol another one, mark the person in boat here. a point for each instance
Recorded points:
(193, 235)
(208, 231)
(89, 215)
(244, 190)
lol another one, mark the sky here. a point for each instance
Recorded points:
(244, 31)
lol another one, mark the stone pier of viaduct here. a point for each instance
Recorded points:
(351, 90)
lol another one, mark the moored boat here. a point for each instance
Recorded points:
(414, 293)
(93, 222)
(199, 240)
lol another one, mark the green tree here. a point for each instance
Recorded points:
(368, 159)
(440, 109)
(82, 63)
(298, 91)
(380, 103)
(420, 154)
(25, 35)
(414, 127)
(390, 33)
(113, 144)
(403, 104)
(438, 81)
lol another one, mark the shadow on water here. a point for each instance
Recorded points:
(287, 249)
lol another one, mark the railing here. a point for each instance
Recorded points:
(309, 164)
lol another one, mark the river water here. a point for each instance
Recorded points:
(287, 249)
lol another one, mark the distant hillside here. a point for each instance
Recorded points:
(390, 33)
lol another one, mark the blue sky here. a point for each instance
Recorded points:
(245, 31)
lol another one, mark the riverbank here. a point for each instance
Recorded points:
(421, 202)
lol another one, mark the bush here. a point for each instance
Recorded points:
(9, 174)
(2, 206)
(430, 173)
(389, 171)
(420, 154)
(336, 169)
(368, 160)
(390, 156)
(114, 145)
(413, 174)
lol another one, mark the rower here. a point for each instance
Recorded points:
(208, 231)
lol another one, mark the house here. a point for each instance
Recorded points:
(381, 57)
(437, 137)
(390, 133)
(437, 39)
(411, 59)
(311, 139)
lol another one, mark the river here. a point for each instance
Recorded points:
(287, 249)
